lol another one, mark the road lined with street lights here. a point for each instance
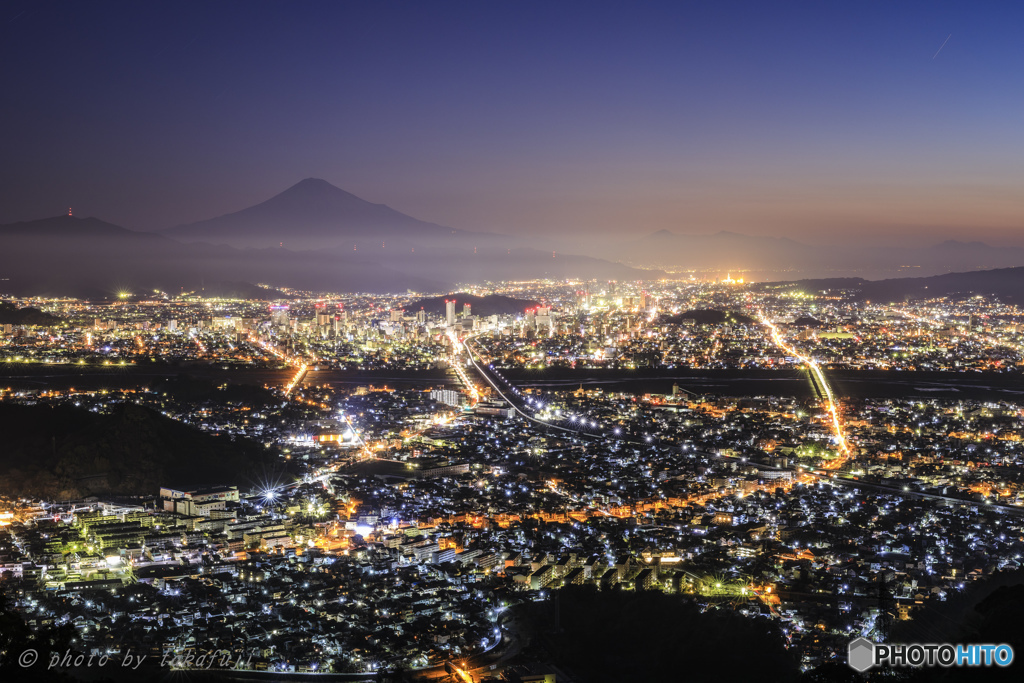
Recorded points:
(830, 403)
(512, 396)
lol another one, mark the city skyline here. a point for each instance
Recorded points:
(511, 342)
(465, 487)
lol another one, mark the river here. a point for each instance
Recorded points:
(845, 383)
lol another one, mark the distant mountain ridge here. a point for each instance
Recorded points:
(314, 215)
(317, 237)
(770, 258)
(1005, 283)
(310, 213)
(90, 258)
(64, 227)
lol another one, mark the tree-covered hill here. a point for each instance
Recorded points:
(62, 452)
(11, 314)
(639, 636)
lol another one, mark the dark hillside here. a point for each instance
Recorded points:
(61, 452)
(11, 314)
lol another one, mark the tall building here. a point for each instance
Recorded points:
(530, 320)
(546, 320)
(467, 310)
(449, 397)
(279, 316)
(449, 312)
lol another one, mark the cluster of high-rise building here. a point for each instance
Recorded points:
(441, 472)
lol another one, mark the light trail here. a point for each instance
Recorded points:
(367, 451)
(296, 379)
(830, 402)
(512, 403)
(453, 361)
(463, 675)
(302, 367)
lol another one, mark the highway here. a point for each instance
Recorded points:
(821, 383)
(833, 478)
(511, 395)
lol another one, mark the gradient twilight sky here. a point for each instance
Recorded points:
(824, 121)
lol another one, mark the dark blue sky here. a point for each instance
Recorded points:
(824, 121)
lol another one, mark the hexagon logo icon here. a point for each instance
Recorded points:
(861, 654)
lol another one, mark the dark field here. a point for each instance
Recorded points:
(845, 383)
(61, 377)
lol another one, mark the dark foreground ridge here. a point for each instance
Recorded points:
(631, 637)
